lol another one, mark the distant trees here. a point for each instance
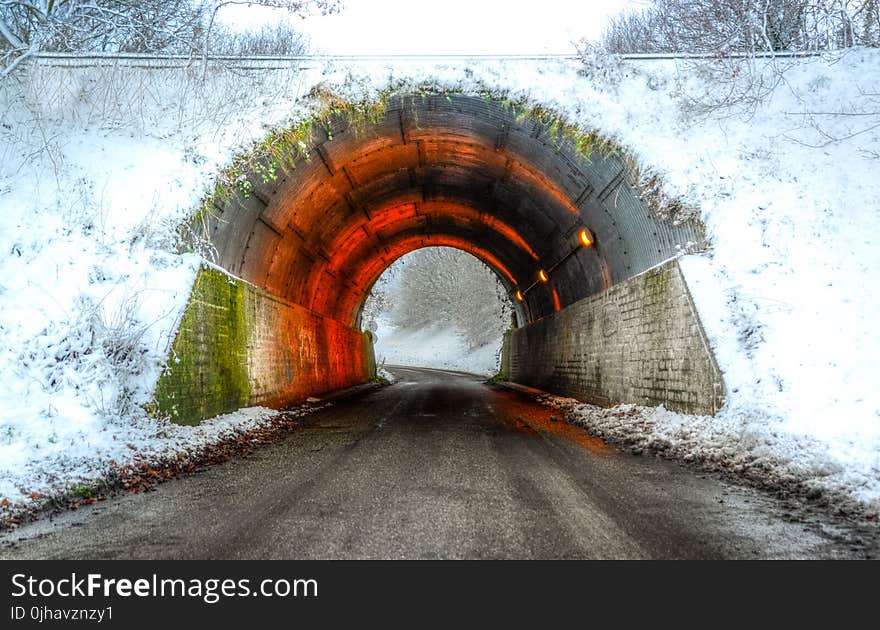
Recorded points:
(120, 25)
(720, 27)
(145, 26)
(731, 39)
(276, 39)
(443, 287)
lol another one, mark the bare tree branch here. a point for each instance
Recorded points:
(168, 26)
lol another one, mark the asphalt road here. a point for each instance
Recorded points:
(437, 466)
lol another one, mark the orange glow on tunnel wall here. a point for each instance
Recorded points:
(407, 245)
(556, 305)
(370, 199)
(342, 272)
(369, 272)
(394, 215)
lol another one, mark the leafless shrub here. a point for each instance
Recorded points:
(98, 352)
(659, 203)
(724, 27)
(192, 236)
(276, 40)
(737, 44)
(598, 63)
(183, 27)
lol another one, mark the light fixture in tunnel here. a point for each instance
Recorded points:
(519, 295)
(542, 276)
(585, 237)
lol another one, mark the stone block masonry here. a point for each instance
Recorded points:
(640, 341)
(239, 346)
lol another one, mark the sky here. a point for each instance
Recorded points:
(377, 27)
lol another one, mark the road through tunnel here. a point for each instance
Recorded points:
(306, 224)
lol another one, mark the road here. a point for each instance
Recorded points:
(437, 465)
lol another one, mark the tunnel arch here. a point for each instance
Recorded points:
(356, 194)
(306, 221)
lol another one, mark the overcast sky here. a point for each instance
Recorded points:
(449, 26)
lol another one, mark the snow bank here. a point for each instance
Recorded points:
(462, 331)
(791, 464)
(438, 347)
(98, 167)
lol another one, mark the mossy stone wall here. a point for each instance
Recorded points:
(640, 341)
(239, 346)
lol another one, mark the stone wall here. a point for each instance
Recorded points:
(239, 346)
(640, 341)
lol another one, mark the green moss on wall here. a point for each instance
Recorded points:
(209, 355)
(279, 151)
(369, 356)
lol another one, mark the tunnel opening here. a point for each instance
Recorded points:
(316, 214)
(439, 307)
(311, 217)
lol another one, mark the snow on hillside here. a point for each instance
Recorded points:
(99, 165)
(435, 347)
(462, 331)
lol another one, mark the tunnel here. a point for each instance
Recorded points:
(311, 217)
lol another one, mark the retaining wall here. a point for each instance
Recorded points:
(240, 346)
(640, 341)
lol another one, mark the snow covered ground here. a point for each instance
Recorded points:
(435, 347)
(463, 331)
(98, 166)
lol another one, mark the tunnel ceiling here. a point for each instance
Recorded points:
(455, 170)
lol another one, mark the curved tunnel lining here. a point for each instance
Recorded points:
(457, 167)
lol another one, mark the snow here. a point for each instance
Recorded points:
(457, 26)
(461, 331)
(94, 181)
(434, 347)
(790, 464)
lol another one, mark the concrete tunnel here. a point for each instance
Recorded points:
(303, 238)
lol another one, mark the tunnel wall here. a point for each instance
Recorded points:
(239, 346)
(640, 341)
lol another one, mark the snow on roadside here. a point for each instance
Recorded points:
(382, 372)
(438, 347)
(149, 444)
(93, 186)
(765, 456)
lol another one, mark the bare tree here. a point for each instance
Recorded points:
(737, 41)
(722, 27)
(445, 287)
(278, 40)
(32, 26)
(28, 27)
(296, 7)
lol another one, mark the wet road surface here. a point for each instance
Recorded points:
(438, 465)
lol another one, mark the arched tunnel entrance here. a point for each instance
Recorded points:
(317, 213)
(461, 331)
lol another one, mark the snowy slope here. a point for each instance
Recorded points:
(463, 331)
(435, 347)
(99, 166)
